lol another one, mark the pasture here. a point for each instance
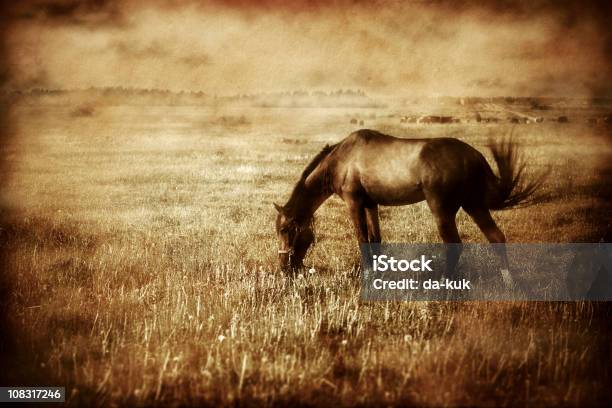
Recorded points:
(141, 266)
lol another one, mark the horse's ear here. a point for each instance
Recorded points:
(278, 208)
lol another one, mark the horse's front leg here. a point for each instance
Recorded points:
(357, 212)
(373, 224)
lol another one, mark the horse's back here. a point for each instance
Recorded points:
(396, 171)
(382, 168)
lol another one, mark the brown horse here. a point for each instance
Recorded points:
(368, 169)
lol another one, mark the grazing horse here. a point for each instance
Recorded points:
(368, 169)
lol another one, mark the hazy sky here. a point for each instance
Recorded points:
(385, 47)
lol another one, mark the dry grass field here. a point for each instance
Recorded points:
(141, 267)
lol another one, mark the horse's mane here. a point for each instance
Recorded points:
(316, 160)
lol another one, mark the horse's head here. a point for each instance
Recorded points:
(295, 239)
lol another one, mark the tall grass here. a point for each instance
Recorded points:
(141, 267)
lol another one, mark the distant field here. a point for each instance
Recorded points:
(142, 265)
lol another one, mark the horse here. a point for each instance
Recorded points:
(369, 169)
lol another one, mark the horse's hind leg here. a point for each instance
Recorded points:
(444, 215)
(486, 223)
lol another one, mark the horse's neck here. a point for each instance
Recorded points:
(309, 194)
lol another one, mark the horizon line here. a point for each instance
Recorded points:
(358, 91)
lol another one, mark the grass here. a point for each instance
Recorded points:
(140, 269)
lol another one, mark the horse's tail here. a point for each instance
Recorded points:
(512, 188)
